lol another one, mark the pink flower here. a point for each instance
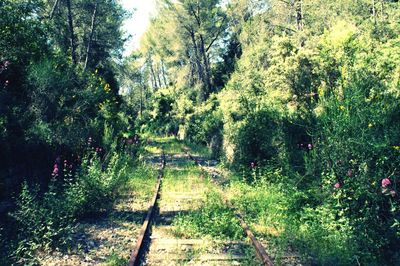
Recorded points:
(55, 166)
(393, 193)
(55, 171)
(386, 182)
(337, 185)
(350, 173)
(310, 146)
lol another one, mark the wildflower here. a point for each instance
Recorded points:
(337, 185)
(252, 165)
(310, 146)
(370, 125)
(350, 172)
(386, 182)
(392, 193)
(55, 170)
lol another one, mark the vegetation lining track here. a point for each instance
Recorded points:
(260, 250)
(137, 252)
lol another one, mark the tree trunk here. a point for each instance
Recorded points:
(299, 15)
(153, 74)
(197, 57)
(141, 97)
(54, 8)
(71, 30)
(164, 75)
(89, 46)
(374, 12)
(207, 76)
(158, 76)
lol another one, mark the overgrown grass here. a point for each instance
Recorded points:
(214, 219)
(312, 232)
(116, 260)
(172, 145)
(165, 144)
(141, 180)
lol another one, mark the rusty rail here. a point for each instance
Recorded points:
(138, 251)
(260, 250)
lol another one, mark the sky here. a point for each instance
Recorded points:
(138, 23)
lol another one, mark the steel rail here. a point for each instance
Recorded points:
(138, 251)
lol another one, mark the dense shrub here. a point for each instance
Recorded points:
(326, 114)
(204, 126)
(356, 141)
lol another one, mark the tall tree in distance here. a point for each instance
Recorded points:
(198, 28)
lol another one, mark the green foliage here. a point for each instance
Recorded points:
(203, 126)
(116, 260)
(322, 237)
(43, 222)
(47, 220)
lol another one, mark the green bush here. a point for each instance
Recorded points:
(44, 222)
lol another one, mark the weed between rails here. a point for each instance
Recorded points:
(213, 219)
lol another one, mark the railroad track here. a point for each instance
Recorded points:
(260, 250)
(141, 247)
